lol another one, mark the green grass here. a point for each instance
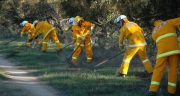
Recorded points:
(88, 83)
(85, 81)
(2, 75)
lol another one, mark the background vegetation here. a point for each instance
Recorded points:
(85, 81)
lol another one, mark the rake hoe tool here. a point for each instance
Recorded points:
(73, 52)
(64, 48)
(11, 40)
(14, 51)
(108, 59)
(68, 59)
(68, 45)
(20, 46)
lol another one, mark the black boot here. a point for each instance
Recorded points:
(120, 75)
(170, 94)
(150, 93)
(58, 51)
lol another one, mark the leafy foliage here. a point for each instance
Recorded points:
(100, 12)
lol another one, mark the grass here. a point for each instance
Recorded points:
(84, 81)
(2, 75)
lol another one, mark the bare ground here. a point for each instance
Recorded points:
(20, 79)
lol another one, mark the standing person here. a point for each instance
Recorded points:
(81, 34)
(29, 28)
(48, 31)
(137, 44)
(164, 33)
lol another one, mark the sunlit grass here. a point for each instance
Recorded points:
(86, 83)
(2, 75)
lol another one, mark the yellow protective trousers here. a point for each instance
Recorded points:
(172, 62)
(130, 52)
(78, 48)
(54, 37)
(29, 37)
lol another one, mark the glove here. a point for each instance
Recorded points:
(121, 47)
(92, 28)
(30, 40)
(36, 37)
(73, 41)
(29, 32)
(83, 38)
(58, 51)
(21, 34)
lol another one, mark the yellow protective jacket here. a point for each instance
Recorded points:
(75, 31)
(83, 30)
(133, 33)
(164, 34)
(43, 28)
(28, 27)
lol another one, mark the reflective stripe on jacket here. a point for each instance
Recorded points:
(43, 27)
(166, 38)
(133, 33)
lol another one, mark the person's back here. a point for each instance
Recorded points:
(168, 29)
(44, 27)
(133, 33)
(164, 33)
(48, 31)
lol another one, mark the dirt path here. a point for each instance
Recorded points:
(21, 79)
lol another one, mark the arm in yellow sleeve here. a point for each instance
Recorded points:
(175, 22)
(121, 40)
(86, 33)
(142, 31)
(74, 36)
(75, 30)
(23, 30)
(88, 28)
(36, 31)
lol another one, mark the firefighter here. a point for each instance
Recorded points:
(164, 33)
(81, 34)
(137, 44)
(48, 31)
(29, 28)
(75, 30)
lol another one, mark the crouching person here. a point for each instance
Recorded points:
(48, 31)
(29, 29)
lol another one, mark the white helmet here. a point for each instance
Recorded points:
(119, 18)
(70, 21)
(23, 23)
(35, 22)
